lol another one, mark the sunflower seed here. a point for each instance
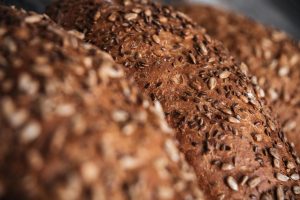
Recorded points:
(283, 71)
(276, 163)
(203, 49)
(112, 17)
(295, 177)
(30, 132)
(227, 166)
(232, 183)
(279, 193)
(258, 137)
(296, 189)
(244, 180)
(120, 116)
(131, 16)
(33, 19)
(193, 59)
(254, 182)
(90, 172)
(234, 120)
(244, 68)
(282, 177)
(212, 83)
(225, 74)
(274, 153)
(290, 165)
(156, 39)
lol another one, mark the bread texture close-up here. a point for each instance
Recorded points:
(223, 127)
(72, 127)
(271, 56)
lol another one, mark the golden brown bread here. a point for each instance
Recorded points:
(271, 55)
(225, 131)
(72, 127)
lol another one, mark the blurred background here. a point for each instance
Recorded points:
(282, 14)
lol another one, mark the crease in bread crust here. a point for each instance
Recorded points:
(223, 127)
(73, 127)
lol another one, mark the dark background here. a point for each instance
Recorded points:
(283, 14)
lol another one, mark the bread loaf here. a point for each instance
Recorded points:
(230, 138)
(73, 127)
(271, 55)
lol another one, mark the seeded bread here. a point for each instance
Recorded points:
(72, 127)
(225, 131)
(271, 56)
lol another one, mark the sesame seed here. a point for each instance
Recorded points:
(282, 177)
(131, 16)
(232, 183)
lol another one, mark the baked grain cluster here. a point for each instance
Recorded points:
(269, 54)
(73, 127)
(224, 129)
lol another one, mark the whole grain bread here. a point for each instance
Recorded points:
(73, 127)
(271, 56)
(227, 134)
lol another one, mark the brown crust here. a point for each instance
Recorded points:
(72, 127)
(224, 129)
(271, 55)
